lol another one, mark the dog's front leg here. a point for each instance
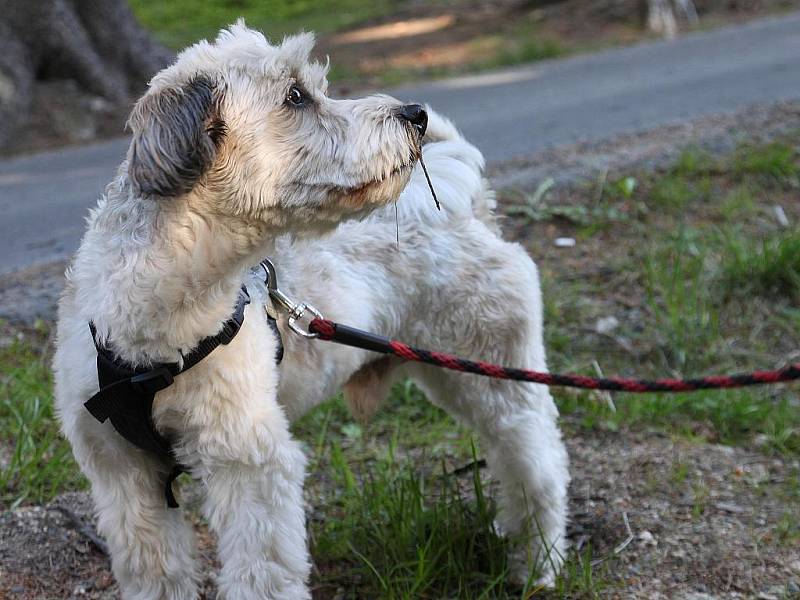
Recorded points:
(152, 546)
(254, 504)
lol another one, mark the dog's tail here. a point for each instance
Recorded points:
(456, 171)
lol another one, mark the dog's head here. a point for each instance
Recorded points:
(247, 126)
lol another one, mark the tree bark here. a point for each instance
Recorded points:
(662, 17)
(96, 43)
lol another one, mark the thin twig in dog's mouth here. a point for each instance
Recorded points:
(428, 178)
(430, 186)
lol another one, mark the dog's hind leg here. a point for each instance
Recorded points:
(527, 456)
(516, 422)
(152, 546)
(517, 429)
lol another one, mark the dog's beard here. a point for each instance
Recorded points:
(374, 193)
(378, 192)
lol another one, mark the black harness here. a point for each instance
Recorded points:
(127, 392)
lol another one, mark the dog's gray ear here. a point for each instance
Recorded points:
(175, 136)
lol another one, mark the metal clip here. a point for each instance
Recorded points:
(295, 310)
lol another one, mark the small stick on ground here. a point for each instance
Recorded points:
(606, 396)
(85, 530)
(619, 547)
(468, 468)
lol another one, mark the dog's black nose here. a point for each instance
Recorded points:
(414, 114)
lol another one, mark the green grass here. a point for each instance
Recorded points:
(489, 52)
(523, 43)
(718, 282)
(178, 23)
(776, 160)
(694, 162)
(679, 301)
(39, 462)
(732, 417)
(406, 534)
(402, 526)
(738, 203)
(768, 266)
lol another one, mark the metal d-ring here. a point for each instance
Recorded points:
(295, 310)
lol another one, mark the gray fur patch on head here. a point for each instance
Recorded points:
(175, 136)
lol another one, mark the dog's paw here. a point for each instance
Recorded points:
(529, 572)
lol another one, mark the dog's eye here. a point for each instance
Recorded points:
(295, 96)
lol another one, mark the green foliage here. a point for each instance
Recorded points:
(778, 161)
(40, 464)
(178, 23)
(720, 287)
(402, 531)
(766, 267)
(675, 192)
(693, 163)
(538, 207)
(728, 417)
(681, 304)
(408, 535)
(521, 46)
(625, 186)
(738, 203)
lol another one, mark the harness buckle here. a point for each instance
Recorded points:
(149, 383)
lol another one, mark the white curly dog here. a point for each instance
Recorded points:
(238, 154)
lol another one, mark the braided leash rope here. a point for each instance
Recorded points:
(336, 332)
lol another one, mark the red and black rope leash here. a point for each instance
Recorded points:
(350, 336)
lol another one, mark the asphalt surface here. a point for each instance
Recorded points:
(512, 113)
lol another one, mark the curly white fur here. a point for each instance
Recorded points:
(221, 173)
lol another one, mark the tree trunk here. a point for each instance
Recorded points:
(662, 17)
(659, 16)
(95, 43)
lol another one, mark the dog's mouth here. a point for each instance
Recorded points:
(378, 191)
(400, 171)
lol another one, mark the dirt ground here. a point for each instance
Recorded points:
(668, 519)
(419, 40)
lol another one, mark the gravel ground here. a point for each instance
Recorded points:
(704, 523)
(704, 518)
(32, 293)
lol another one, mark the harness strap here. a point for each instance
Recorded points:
(127, 392)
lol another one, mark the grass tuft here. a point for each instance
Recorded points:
(694, 162)
(39, 464)
(678, 298)
(778, 161)
(766, 267)
(727, 417)
(405, 534)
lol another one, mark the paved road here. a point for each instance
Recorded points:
(44, 198)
